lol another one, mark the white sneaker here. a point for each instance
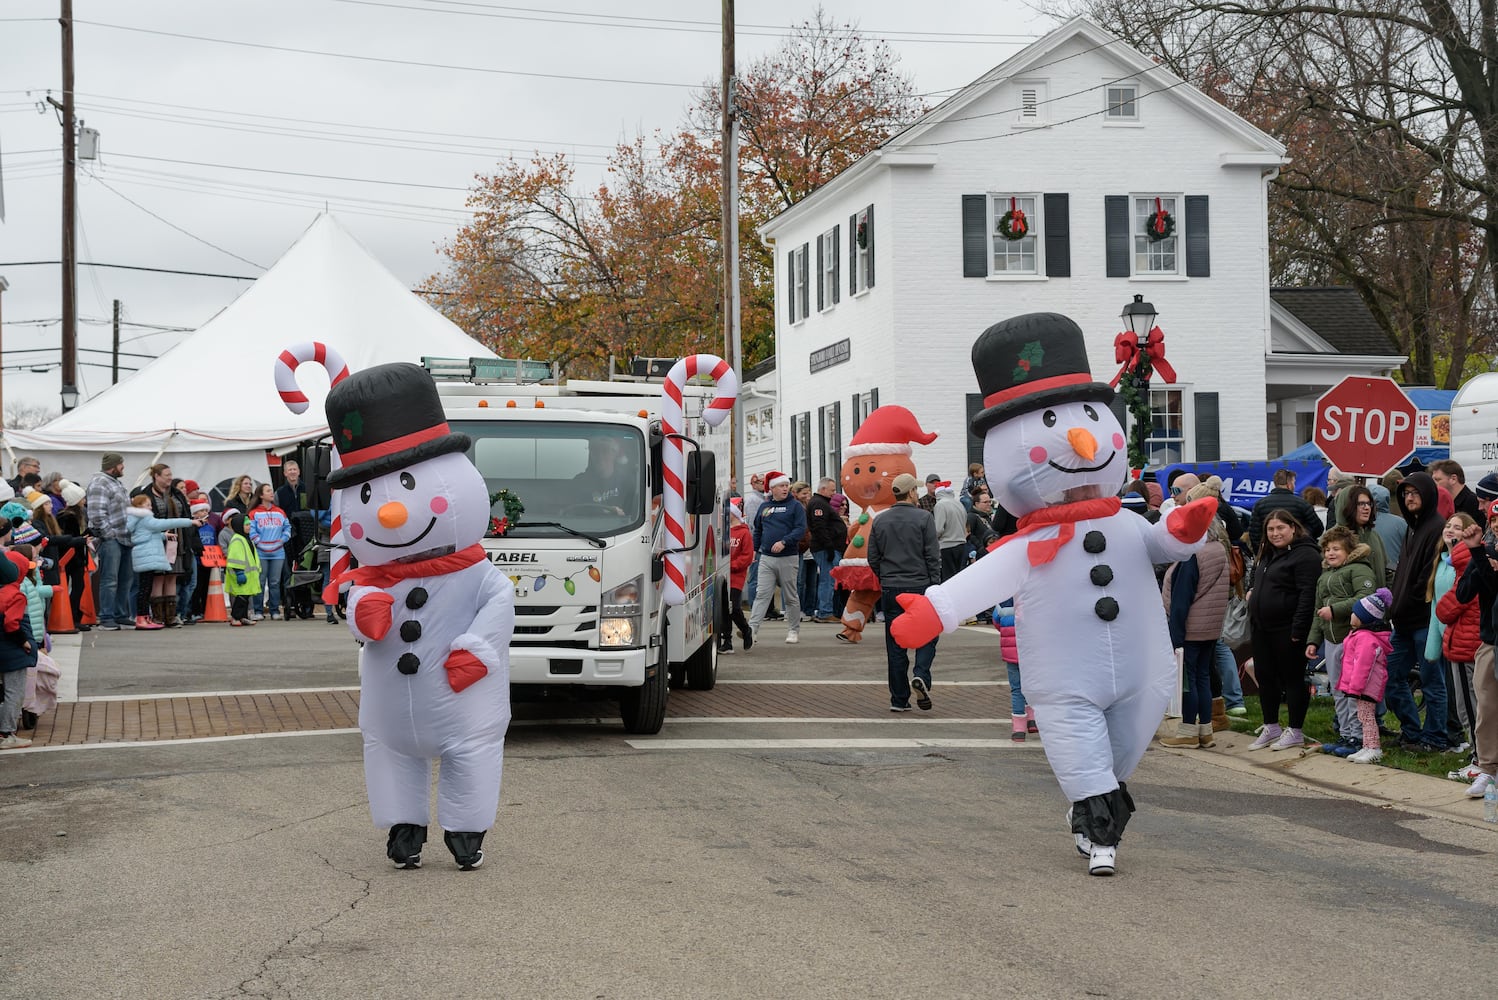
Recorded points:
(1102, 860)
(14, 742)
(1266, 737)
(1465, 774)
(1084, 846)
(1289, 740)
(1367, 755)
(1479, 786)
(792, 638)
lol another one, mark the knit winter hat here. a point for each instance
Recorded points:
(1209, 487)
(36, 499)
(13, 510)
(189, 487)
(1374, 606)
(25, 533)
(7, 492)
(1487, 487)
(71, 493)
(110, 460)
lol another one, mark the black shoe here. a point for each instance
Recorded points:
(922, 695)
(465, 848)
(403, 847)
(1412, 746)
(774, 616)
(748, 641)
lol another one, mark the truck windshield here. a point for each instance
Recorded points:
(589, 477)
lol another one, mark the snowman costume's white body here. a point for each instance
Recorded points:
(1099, 686)
(408, 718)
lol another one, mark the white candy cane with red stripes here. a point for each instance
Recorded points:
(726, 387)
(293, 357)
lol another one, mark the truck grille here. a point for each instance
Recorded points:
(553, 625)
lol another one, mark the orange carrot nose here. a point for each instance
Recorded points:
(1082, 442)
(393, 514)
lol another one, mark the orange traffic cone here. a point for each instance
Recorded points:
(60, 612)
(215, 610)
(86, 611)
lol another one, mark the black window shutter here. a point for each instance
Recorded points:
(870, 217)
(857, 414)
(837, 440)
(795, 444)
(805, 471)
(853, 255)
(837, 267)
(1116, 221)
(974, 442)
(873, 399)
(821, 441)
(805, 276)
(1058, 235)
(821, 300)
(1198, 237)
(790, 286)
(975, 236)
(1208, 423)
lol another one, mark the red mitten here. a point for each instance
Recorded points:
(463, 668)
(372, 614)
(1189, 523)
(918, 625)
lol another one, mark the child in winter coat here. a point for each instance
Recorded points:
(242, 562)
(148, 556)
(1021, 715)
(741, 555)
(1455, 627)
(17, 651)
(1348, 575)
(1365, 667)
(270, 530)
(37, 593)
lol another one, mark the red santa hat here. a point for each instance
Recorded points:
(889, 430)
(773, 479)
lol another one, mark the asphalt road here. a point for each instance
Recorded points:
(621, 868)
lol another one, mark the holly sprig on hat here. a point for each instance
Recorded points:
(1030, 358)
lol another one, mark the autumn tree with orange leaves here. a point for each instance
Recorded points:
(634, 268)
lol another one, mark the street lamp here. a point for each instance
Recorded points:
(69, 397)
(1132, 348)
(1139, 317)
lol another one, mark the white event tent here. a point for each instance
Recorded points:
(209, 406)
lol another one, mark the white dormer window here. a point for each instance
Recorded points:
(1033, 96)
(1122, 102)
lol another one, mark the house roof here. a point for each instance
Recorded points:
(905, 146)
(1339, 316)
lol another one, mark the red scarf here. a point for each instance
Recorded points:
(392, 573)
(1065, 514)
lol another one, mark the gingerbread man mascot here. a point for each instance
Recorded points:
(1092, 634)
(879, 451)
(434, 616)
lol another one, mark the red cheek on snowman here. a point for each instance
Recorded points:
(1118, 441)
(439, 505)
(356, 531)
(1038, 454)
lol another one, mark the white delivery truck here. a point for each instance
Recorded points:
(1474, 426)
(587, 554)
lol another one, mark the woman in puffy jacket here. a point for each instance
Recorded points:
(1196, 601)
(1455, 626)
(270, 530)
(150, 559)
(1280, 606)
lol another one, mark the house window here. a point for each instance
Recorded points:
(830, 436)
(1122, 102)
(1021, 256)
(827, 259)
(1168, 430)
(800, 300)
(1155, 256)
(868, 402)
(862, 278)
(759, 426)
(801, 447)
(1032, 102)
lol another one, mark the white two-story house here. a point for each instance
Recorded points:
(886, 275)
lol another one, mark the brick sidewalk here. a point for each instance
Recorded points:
(196, 716)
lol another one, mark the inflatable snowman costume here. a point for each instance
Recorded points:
(434, 615)
(1091, 628)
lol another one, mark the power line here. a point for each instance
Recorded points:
(173, 225)
(127, 267)
(387, 61)
(288, 173)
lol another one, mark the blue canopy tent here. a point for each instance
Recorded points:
(1308, 452)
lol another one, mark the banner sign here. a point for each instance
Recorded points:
(1245, 483)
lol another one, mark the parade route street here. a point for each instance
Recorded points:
(743, 852)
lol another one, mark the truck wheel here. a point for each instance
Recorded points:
(702, 666)
(643, 709)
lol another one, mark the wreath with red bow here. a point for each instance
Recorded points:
(1160, 225)
(862, 235)
(498, 526)
(1012, 224)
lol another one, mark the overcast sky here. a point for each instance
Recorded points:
(176, 113)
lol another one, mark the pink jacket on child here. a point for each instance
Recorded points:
(1365, 663)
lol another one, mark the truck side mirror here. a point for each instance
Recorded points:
(702, 482)
(316, 462)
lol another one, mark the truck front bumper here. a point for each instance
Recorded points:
(562, 665)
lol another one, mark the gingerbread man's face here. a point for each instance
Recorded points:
(866, 479)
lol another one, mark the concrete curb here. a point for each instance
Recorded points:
(1312, 770)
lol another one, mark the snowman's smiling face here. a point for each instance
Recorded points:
(426, 509)
(1051, 451)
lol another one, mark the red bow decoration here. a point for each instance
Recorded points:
(1127, 352)
(1158, 219)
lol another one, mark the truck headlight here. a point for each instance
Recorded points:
(619, 623)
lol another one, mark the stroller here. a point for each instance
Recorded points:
(306, 566)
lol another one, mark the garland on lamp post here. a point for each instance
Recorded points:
(1135, 386)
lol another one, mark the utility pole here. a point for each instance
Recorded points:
(69, 224)
(729, 144)
(3, 286)
(114, 373)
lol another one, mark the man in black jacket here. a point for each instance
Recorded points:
(905, 556)
(829, 536)
(1283, 497)
(1410, 615)
(1449, 476)
(1481, 581)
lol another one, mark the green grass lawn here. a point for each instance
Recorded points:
(1319, 727)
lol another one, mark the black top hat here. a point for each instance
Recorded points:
(1030, 362)
(385, 418)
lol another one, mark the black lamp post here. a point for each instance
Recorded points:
(1139, 319)
(69, 397)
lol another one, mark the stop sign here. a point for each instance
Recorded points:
(1365, 425)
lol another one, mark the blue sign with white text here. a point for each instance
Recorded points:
(1245, 483)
